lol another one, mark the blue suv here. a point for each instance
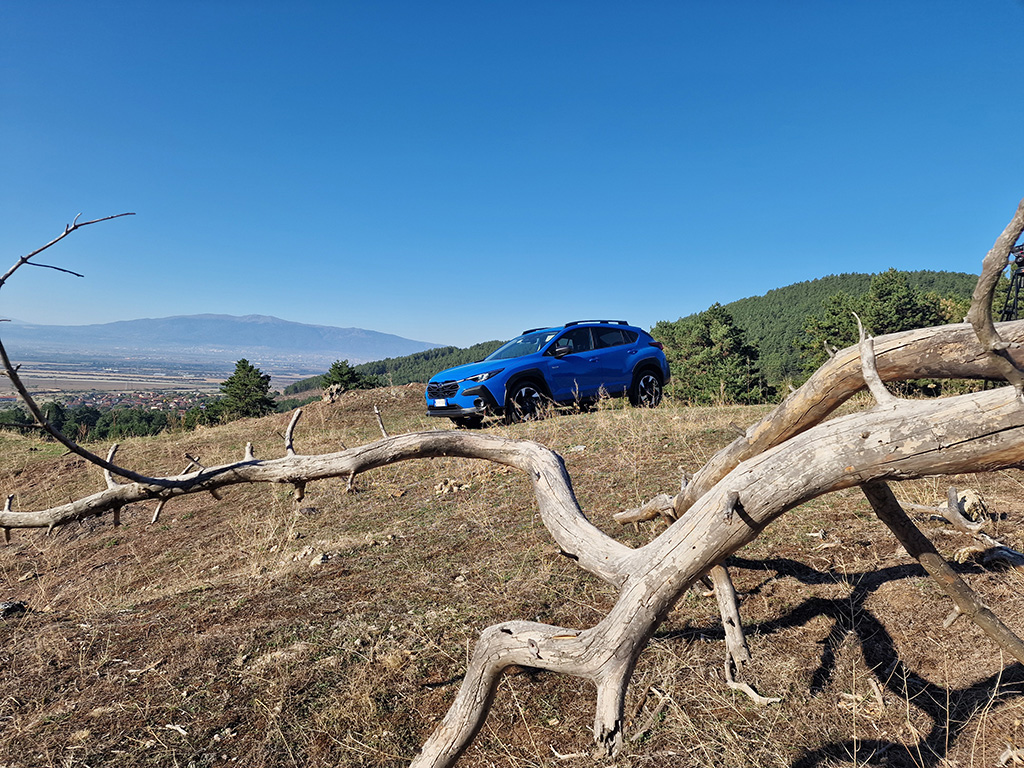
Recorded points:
(573, 363)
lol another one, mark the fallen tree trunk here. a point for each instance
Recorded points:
(942, 352)
(910, 440)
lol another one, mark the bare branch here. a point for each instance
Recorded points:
(289, 433)
(592, 549)
(107, 474)
(67, 231)
(869, 369)
(980, 313)
(921, 549)
(58, 269)
(747, 690)
(944, 352)
(380, 421)
(728, 605)
(158, 510)
(659, 506)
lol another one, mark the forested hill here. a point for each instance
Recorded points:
(774, 321)
(419, 366)
(771, 324)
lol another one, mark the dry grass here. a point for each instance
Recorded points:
(213, 638)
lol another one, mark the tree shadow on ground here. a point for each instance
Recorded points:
(949, 709)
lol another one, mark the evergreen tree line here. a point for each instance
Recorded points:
(86, 422)
(791, 331)
(417, 367)
(774, 322)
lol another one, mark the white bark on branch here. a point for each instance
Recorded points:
(579, 539)
(980, 313)
(942, 352)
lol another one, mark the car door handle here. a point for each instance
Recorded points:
(591, 359)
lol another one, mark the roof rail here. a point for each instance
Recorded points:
(608, 322)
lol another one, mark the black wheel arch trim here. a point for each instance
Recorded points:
(534, 375)
(648, 365)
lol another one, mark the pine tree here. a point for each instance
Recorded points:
(833, 328)
(890, 305)
(344, 375)
(711, 361)
(247, 392)
(893, 305)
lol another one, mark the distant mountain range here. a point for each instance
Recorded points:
(206, 340)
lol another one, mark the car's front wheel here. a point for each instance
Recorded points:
(647, 389)
(525, 402)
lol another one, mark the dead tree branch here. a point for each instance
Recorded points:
(942, 352)
(889, 511)
(75, 225)
(980, 313)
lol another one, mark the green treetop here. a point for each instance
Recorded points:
(711, 361)
(891, 305)
(247, 391)
(344, 375)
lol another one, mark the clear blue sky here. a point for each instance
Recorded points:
(458, 171)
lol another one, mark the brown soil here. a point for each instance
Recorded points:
(257, 632)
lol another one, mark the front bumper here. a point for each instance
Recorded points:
(454, 411)
(473, 401)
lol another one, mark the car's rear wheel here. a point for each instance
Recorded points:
(525, 402)
(647, 389)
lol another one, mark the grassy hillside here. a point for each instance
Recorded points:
(253, 632)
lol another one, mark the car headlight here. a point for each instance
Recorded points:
(482, 376)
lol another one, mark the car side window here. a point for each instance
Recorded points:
(577, 340)
(609, 337)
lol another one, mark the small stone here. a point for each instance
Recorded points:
(11, 608)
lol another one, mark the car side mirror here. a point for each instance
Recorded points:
(561, 352)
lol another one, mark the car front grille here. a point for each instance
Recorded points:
(436, 389)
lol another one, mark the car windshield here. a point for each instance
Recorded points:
(522, 345)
